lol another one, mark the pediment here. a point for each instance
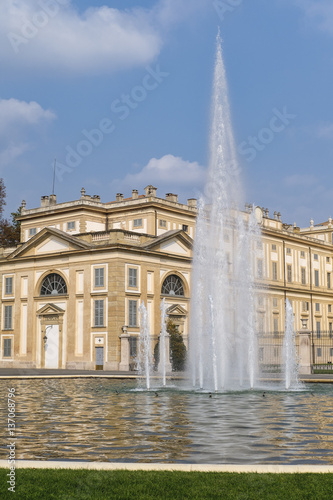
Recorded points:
(52, 244)
(175, 242)
(49, 241)
(50, 309)
(176, 310)
(174, 246)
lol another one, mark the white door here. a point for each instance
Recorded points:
(52, 346)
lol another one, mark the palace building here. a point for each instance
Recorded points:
(71, 290)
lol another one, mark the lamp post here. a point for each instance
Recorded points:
(45, 336)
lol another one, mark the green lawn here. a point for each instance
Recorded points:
(63, 484)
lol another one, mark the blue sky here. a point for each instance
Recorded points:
(119, 93)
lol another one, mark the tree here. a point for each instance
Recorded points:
(9, 231)
(177, 348)
(2, 197)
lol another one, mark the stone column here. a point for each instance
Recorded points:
(304, 353)
(124, 352)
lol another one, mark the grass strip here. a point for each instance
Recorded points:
(65, 484)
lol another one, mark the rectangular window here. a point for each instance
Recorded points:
(328, 260)
(9, 286)
(315, 256)
(305, 306)
(32, 231)
(317, 307)
(8, 317)
(132, 313)
(276, 352)
(274, 271)
(99, 313)
(329, 308)
(319, 352)
(99, 277)
(328, 280)
(137, 223)
(316, 275)
(71, 226)
(226, 236)
(133, 344)
(275, 302)
(7, 348)
(289, 273)
(330, 330)
(261, 354)
(259, 268)
(318, 329)
(276, 326)
(303, 275)
(185, 228)
(261, 323)
(162, 223)
(133, 278)
(288, 251)
(260, 301)
(274, 248)
(302, 254)
(331, 351)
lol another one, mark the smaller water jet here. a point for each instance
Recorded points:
(289, 352)
(144, 355)
(163, 343)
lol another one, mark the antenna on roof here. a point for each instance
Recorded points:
(54, 167)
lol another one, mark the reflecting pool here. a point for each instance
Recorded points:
(107, 420)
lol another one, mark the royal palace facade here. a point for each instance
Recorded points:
(71, 290)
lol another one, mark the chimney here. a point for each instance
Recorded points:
(192, 202)
(53, 199)
(150, 191)
(172, 197)
(135, 194)
(44, 201)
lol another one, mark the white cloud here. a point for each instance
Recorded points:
(325, 131)
(318, 13)
(17, 120)
(12, 152)
(300, 180)
(169, 173)
(21, 113)
(98, 40)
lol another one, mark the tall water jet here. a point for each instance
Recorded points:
(144, 354)
(223, 347)
(289, 352)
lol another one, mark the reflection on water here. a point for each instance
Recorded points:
(88, 420)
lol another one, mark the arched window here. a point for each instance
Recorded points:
(53, 284)
(173, 285)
